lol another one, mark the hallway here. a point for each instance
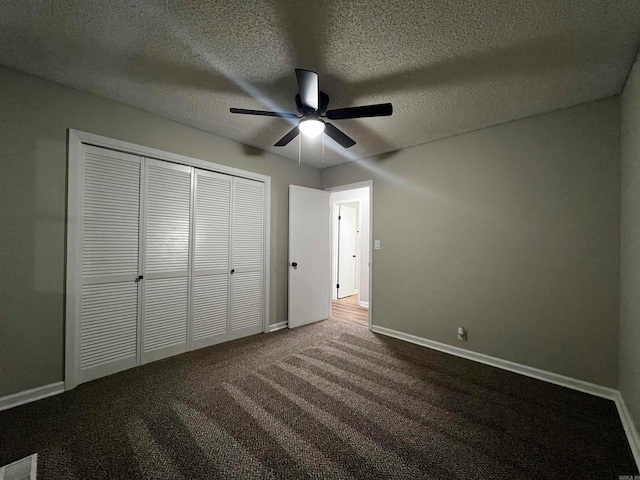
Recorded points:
(347, 310)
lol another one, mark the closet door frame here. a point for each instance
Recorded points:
(75, 179)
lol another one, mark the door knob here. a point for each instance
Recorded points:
(294, 264)
(233, 270)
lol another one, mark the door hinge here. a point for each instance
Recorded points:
(339, 217)
(338, 285)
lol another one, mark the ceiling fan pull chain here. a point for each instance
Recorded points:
(299, 150)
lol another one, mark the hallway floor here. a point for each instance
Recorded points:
(347, 310)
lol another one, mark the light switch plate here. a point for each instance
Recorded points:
(376, 244)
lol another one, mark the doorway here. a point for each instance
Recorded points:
(348, 245)
(350, 253)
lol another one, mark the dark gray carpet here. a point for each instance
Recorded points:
(331, 400)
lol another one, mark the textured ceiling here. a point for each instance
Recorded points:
(448, 66)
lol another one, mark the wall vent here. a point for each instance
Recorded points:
(24, 469)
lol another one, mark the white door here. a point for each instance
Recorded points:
(309, 255)
(166, 211)
(212, 232)
(347, 233)
(108, 296)
(247, 254)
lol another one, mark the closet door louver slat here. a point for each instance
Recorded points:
(247, 258)
(109, 332)
(106, 227)
(247, 224)
(167, 211)
(167, 204)
(210, 311)
(247, 301)
(110, 243)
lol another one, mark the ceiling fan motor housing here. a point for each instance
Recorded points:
(323, 104)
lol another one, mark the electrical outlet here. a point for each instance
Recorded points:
(462, 334)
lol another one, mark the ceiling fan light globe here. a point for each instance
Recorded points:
(311, 127)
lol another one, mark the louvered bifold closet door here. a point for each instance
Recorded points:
(247, 257)
(110, 242)
(212, 230)
(166, 212)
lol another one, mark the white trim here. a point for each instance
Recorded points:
(267, 254)
(76, 140)
(77, 136)
(532, 372)
(350, 186)
(353, 186)
(27, 396)
(277, 326)
(73, 230)
(192, 251)
(142, 259)
(364, 304)
(629, 428)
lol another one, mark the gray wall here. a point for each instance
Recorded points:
(511, 231)
(35, 116)
(630, 247)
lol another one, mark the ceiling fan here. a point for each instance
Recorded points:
(312, 107)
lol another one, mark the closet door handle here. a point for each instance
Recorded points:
(140, 277)
(233, 270)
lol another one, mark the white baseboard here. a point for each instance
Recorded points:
(277, 326)
(550, 377)
(629, 428)
(32, 395)
(573, 383)
(364, 304)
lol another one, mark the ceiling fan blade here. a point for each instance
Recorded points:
(293, 133)
(308, 87)
(379, 110)
(339, 136)
(263, 113)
